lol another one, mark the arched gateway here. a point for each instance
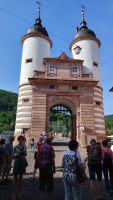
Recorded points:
(61, 121)
(72, 82)
(67, 120)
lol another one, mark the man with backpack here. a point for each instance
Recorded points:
(46, 164)
(107, 167)
(95, 167)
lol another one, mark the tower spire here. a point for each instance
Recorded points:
(83, 11)
(38, 10)
(83, 23)
(38, 20)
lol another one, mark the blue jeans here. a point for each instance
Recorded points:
(108, 177)
(72, 192)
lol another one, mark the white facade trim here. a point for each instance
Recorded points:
(18, 130)
(23, 124)
(100, 131)
(24, 107)
(99, 120)
(26, 87)
(95, 89)
(97, 98)
(26, 92)
(22, 97)
(99, 125)
(23, 118)
(98, 109)
(20, 103)
(98, 94)
(22, 113)
(98, 114)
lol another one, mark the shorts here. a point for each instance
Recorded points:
(95, 170)
(46, 179)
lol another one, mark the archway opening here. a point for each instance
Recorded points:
(61, 121)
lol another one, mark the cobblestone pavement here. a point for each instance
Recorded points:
(29, 189)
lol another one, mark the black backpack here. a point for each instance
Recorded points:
(93, 155)
(107, 160)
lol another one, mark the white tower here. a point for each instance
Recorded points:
(89, 44)
(36, 46)
(86, 40)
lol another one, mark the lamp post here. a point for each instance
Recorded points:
(77, 49)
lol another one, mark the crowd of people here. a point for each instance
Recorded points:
(99, 160)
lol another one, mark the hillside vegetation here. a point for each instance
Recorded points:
(109, 124)
(8, 103)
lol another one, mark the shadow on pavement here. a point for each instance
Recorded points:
(29, 191)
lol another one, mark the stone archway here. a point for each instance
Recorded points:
(66, 102)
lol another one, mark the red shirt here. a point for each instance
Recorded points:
(45, 155)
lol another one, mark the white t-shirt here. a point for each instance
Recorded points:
(112, 147)
(70, 164)
(72, 153)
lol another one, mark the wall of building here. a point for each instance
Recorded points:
(99, 112)
(89, 53)
(24, 109)
(39, 107)
(34, 48)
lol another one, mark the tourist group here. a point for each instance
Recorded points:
(99, 162)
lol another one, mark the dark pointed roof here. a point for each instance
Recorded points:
(38, 28)
(84, 31)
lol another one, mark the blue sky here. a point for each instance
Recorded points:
(60, 17)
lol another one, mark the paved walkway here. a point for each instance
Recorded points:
(29, 189)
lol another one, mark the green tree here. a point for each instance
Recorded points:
(109, 124)
(8, 104)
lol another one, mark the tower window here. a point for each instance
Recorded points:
(98, 103)
(25, 100)
(51, 87)
(28, 60)
(25, 131)
(74, 88)
(74, 69)
(95, 64)
(52, 69)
